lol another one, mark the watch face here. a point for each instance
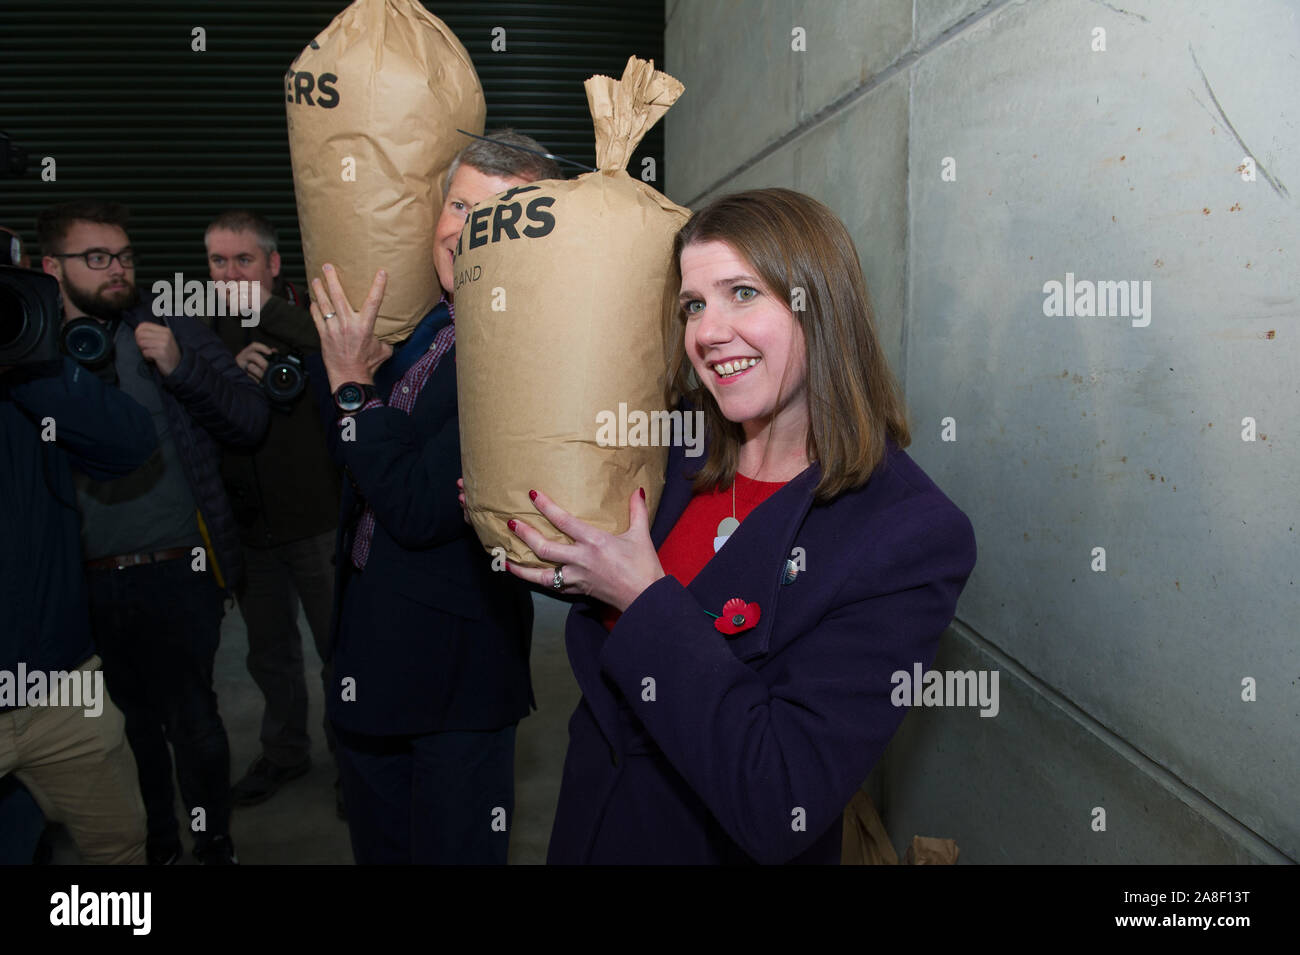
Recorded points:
(349, 397)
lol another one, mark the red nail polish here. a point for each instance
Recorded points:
(642, 494)
(510, 524)
(532, 495)
(507, 565)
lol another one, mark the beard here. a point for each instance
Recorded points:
(106, 304)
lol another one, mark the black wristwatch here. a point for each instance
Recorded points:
(352, 396)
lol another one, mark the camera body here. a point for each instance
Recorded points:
(31, 311)
(285, 379)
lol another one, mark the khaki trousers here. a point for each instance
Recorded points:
(81, 772)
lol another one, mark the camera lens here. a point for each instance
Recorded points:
(13, 318)
(86, 341)
(29, 317)
(284, 380)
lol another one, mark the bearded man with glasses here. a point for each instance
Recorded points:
(160, 544)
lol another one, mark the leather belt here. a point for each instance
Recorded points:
(122, 561)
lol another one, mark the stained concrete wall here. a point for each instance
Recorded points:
(1123, 688)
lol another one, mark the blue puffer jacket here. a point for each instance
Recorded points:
(209, 402)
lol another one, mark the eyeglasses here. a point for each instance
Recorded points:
(100, 258)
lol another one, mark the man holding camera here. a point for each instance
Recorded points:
(285, 494)
(74, 759)
(160, 543)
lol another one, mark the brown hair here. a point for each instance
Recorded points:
(792, 241)
(52, 224)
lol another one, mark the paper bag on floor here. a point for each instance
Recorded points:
(560, 358)
(373, 104)
(864, 840)
(926, 850)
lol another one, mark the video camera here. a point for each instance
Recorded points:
(32, 328)
(31, 312)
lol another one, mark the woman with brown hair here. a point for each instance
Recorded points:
(736, 658)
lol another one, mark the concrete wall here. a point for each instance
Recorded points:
(1123, 688)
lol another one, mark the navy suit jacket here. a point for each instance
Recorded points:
(432, 637)
(749, 747)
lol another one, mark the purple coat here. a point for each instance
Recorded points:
(747, 748)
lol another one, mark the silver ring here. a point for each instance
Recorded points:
(557, 582)
(330, 314)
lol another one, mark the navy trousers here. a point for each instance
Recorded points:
(157, 628)
(433, 799)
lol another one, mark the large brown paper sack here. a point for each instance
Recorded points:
(864, 840)
(373, 104)
(559, 298)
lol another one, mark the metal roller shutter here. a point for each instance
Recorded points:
(128, 111)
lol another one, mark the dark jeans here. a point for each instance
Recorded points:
(435, 799)
(157, 627)
(275, 580)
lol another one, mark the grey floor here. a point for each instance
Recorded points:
(299, 825)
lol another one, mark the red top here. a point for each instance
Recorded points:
(689, 545)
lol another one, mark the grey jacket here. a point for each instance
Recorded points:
(209, 402)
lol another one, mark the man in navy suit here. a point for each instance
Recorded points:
(430, 644)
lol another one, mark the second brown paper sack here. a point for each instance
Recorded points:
(559, 299)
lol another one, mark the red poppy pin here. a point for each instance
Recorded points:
(737, 616)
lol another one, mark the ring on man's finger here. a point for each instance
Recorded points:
(557, 581)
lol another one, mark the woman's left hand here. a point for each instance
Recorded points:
(613, 569)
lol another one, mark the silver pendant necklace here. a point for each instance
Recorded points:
(728, 525)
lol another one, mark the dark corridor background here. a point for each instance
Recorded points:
(129, 112)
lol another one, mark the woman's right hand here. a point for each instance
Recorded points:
(460, 485)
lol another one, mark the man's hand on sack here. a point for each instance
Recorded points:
(348, 345)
